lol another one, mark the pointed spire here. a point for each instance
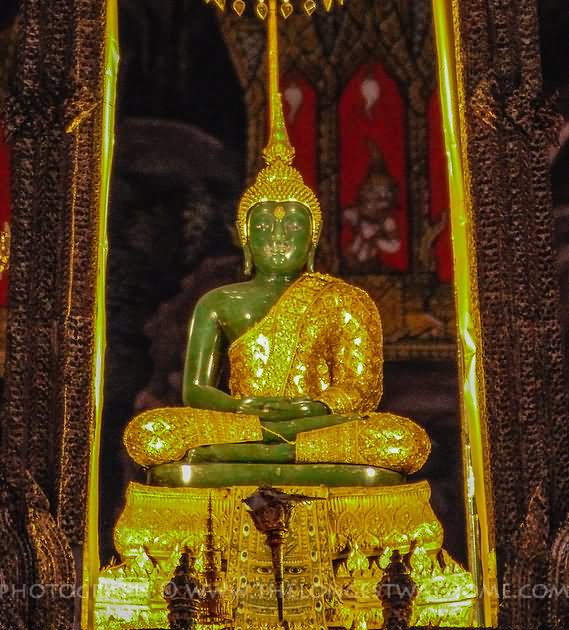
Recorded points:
(278, 146)
(278, 180)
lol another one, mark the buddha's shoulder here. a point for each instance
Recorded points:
(226, 293)
(334, 286)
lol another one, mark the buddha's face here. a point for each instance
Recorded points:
(280, 236)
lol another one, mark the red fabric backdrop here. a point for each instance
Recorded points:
(300, 112)
(383, 122)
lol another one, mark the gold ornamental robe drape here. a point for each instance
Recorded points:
(321, 340)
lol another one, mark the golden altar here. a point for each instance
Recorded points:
(335, 555)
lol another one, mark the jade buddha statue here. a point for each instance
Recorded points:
(304, 350)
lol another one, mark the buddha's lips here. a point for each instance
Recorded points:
(278, 250)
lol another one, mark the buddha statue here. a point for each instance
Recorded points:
(304, 350)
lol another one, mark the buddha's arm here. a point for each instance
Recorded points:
(201, 369)
(201, 373)
(279, 409)
(356, 352)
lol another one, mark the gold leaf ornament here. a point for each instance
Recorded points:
(279, 213)
(239, 7)
(328, 4)
(5, 238)
(310, 7)
(220, 4)
(262, 9)
(286, 9)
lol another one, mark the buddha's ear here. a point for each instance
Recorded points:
(247, 260)
(310, 258)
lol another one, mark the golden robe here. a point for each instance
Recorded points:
(321, 340)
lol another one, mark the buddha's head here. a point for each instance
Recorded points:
(279, 218)
(279, 237)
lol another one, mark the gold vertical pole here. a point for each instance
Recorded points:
(273, 88)
(478, 493)
(278, 143)
(91, 551)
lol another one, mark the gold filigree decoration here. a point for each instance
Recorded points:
(289, 353)
(78, 109)
(279, 213)
(239, 7)
(483, 102)
(166, 434)
(279, 182)
(5, 238)
(382, 439)
(340, 545)
(286, 7)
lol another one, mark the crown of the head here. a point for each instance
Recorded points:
(278, 180)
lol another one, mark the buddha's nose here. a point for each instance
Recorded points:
(279, 233)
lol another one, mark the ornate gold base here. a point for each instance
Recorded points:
(335, 555)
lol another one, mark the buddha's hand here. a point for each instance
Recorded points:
(281, 408)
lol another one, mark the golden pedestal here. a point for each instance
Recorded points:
(336, 552)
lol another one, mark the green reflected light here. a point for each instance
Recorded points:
(480, 529)
(91, 551)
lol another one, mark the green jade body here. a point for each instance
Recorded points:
(279, 249)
